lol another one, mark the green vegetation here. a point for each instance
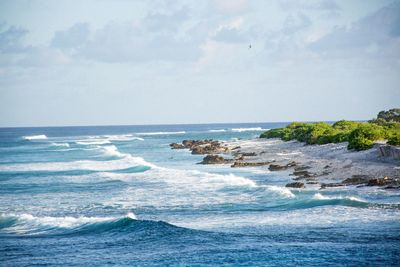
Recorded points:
(394, 139)
(360, 135)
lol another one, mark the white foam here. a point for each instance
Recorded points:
(60, 144)
(283, 191)
(123, 137)
(27, 223)
(94, 142)
(229, 179)
(112, 151)
(34, 137)
(63, 222)
(319, 196)
(319, 216)
(252, 129)
(92, 165)
(161, 133)
(217, 131)
(131, 215)
(194, 178)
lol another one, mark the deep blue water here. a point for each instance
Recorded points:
(118, 195)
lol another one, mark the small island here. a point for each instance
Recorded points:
(319, 154)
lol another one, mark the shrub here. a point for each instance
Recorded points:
(360, 135)
(318, 130)
(394, 140)
(330, 136)
(341, 136)
(344, 125)
(364, 135)
(283, 133)
(392, 115)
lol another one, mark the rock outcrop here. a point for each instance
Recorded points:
(214, 159)
(385, 181)
(201, 147)
(237, 164)
(295, 185)
(276, 167)
(364, 180)
(389, 151)
(356, 180)
(177, 146)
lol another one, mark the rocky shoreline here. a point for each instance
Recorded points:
(327, 166)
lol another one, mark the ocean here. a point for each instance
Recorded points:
(118, 195)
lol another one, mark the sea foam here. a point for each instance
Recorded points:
(34, 137)
(283, 191)
(252, 129)
(161, 133)
(31, 225)
(217, 131)
(94, 142)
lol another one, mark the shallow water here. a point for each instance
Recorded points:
(119, 195)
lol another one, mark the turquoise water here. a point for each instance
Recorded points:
(120, 196)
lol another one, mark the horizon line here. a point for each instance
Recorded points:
(168, 124)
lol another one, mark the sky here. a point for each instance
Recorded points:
(97, 62)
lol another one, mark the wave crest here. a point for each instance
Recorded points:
(251, 129)
(162, 133)
(27, 224)
(34, 137)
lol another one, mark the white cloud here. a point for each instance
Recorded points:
(376, 34)
(74, 37)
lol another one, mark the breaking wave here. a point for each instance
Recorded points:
(217, 131)
(91, 165)
(162, 133)
(283, 191)
(123, 137)
(34, 137)
(251, 129)
(319, 200)
(94, 142)
(27, 224)
(60, 144)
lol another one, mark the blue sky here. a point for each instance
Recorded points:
(154, 62)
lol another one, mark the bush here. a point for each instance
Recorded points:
(360, 135)
(318, 131)
(392, 115)
(364, 136)
(283, 133)
(394, 140)
(346, 125)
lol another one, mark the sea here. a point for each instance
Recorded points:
(118, 195)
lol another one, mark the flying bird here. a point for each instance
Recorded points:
(249, 46)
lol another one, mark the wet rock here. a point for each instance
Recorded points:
(295, 185)
(250, 154)
(237, 164)
(199, 147)
(176, 146)
(302, 168)
(383, 181)
(389, 151)
(356, 180)
(214, 159)
(276, 167)
(208, 149)
(303, 174)
(323, 186)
